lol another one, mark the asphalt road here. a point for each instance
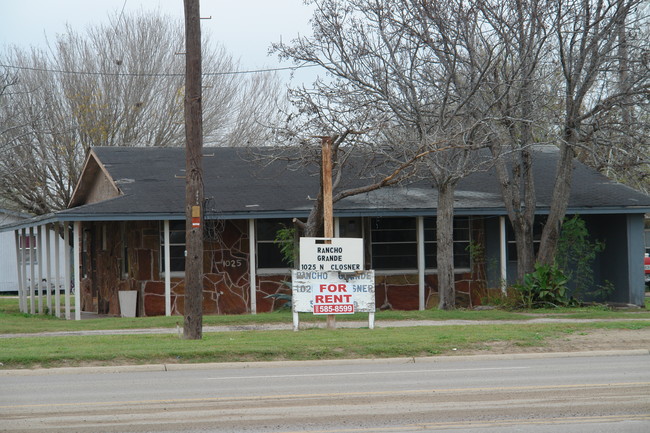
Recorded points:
(477, 394)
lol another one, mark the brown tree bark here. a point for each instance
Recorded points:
(518, 192)
(445, 251)
(559, 200)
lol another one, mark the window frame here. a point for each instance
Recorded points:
(411, 243)
(260, 269)
(172, 224)
(463, 243)
(428, 241)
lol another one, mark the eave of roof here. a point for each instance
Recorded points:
(91, 216)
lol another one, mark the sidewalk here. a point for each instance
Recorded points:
(309, 325)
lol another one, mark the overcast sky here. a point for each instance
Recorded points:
(245, 27)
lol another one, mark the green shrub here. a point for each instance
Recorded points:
(576, 254)
(285, 239)
(544, 287)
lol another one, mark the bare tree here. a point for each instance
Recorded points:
(617, 141)
(566, 77)
(588, 42)
(408, 67)
(449, 75)
(116, 84)
(359, 158)
(520, 100)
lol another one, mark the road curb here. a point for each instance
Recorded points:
(277, 364)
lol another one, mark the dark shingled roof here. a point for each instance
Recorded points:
(151, 180)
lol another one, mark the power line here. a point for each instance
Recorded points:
(129, 74)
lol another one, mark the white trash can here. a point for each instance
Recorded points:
(128, 300)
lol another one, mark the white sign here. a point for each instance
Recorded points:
(331, 254)
(322, 292)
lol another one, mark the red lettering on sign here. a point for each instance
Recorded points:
(333, 288)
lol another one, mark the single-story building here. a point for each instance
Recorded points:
(128, 231)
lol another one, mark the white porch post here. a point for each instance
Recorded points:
(252, 265)
(23, 258)
(39, 255)
(168, 278)
(77, 269)
(19, 270)
(421, 262)
(32, 277)
(68, 268)
(502, 249)
(57, 274)
(48, 270)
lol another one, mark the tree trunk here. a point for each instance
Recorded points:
(193, 320)
(518, 194)
(445, 253)
(524, 241)
(314, 224)
(559, 202)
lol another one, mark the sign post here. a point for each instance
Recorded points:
(331, 279)
(328, 204)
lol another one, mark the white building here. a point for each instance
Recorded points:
(30, 241)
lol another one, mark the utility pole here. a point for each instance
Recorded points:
(328, 205)
(193, 312)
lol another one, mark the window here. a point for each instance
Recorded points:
(394, 243)
(350, 228)
(30, 249)
(461, 240)
(176, 246)
(124, 264)
(86, 247)
(269, 255)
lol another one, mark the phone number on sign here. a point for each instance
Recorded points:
(334, 309)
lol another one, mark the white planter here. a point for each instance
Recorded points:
(128, 300)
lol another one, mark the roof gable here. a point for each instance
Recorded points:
(95, 183)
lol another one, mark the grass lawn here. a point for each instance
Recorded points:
(12, 321)
(311, 343)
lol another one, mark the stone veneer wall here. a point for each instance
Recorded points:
(226, 280)
(102, 255)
